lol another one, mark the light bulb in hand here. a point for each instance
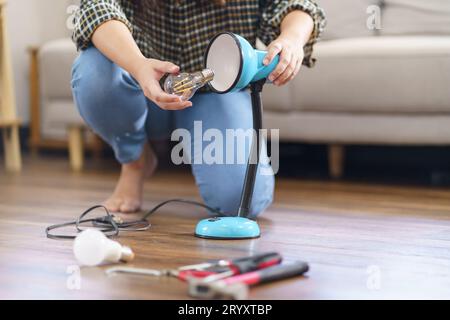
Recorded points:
(92, 248)
(185, 85)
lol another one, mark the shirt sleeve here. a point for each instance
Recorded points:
(91, 15)
(273, 13)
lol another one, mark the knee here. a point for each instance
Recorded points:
(102, 90)
(92, 73)
(225, 198)
(91, 84)
(262, 195)
(225, 194)
(96, 80)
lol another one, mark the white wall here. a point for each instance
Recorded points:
(32, 22)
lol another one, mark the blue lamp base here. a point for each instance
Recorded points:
(227, 228)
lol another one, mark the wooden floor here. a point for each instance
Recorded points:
(362, 241)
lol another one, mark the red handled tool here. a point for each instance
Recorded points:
(236, 287)
(209, 271)
(224, 268)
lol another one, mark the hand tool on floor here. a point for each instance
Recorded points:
(208, 271)
(237, 287)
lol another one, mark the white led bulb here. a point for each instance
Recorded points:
(92, 248)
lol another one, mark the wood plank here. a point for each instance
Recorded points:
(8, 112)
(35, 105)
(7, 102)
(346, 231)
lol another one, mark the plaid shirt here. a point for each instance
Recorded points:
(179, 30)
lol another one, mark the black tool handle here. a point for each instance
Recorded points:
(256, 262)
(281, 272)
(278, 272)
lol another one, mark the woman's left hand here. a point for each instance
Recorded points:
(291, 58)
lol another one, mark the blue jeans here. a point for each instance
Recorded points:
(114, 106)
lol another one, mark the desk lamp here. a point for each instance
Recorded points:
(236, 64)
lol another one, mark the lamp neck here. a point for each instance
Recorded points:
(257, 86)
(253, 159)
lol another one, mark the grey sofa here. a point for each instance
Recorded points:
(370, 85)
(380, 86)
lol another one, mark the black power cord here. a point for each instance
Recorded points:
(111, 225)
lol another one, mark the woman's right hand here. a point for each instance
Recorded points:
(116, 42)
(148, 72)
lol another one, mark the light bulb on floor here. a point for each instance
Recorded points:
(185, 85)
(92, 248)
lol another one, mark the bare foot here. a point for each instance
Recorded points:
(127, 197)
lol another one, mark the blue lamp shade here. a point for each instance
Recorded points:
(227, 228)
(235, 63)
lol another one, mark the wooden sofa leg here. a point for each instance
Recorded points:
(11, 144)
(76, 152)
(97, 147)
(336, 159)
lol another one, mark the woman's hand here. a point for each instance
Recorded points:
(148, 72)
(116, 42)
(296, 29)
(291, 58)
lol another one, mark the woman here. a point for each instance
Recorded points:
(128, 46)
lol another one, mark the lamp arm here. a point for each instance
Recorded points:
(254, 156)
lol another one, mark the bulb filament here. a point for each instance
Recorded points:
(185, 85)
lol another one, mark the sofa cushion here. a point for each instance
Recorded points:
(55, 65)
(58, 110)
(353, 128)
(278, 98)
(347, 18)
(374, 75)
(401, 17)
(57, 115)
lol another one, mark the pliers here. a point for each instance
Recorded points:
(209, 271)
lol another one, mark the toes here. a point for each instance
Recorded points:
(122, 206)
(130, 207)
(113, 205)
